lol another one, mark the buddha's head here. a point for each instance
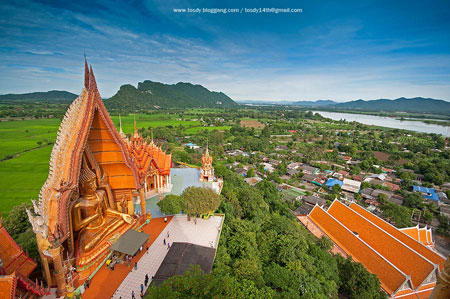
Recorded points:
(88, 182)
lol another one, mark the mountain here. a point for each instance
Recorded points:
(424, 105)
(318, 103)
(49, 96)
(149, 94)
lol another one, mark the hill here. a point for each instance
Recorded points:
(149, 95)
(49, 96)
(423, 105)
(318, 103)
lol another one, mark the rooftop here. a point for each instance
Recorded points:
(400, 261)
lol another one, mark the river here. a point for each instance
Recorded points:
(389, 122)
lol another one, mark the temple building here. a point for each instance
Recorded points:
(422, 235)
(405, 267)
(15, 267)
(86, 203)
(207, 170)
(152, 163)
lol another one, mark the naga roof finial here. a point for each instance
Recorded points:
(86, 73)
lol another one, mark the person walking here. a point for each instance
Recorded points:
(164, 241)
(132, 295)
(146, 280)
(135, 265)
(88, 282)
(142, 288)
(168, 245)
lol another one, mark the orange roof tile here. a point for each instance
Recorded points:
(8, 286)
(400, 235)
(398, 253)
(413, 232)
(12, 256)
(391, 278)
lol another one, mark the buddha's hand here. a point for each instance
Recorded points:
(127, 218)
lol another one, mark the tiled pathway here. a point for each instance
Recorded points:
(205, 233)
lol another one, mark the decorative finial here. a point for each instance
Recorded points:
(86, 73)
(151, 131)
(120, 125)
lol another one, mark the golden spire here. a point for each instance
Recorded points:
(152, 143)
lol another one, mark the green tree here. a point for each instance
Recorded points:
(251, 172)
(198, 200)
(356, 281)
(171, 204)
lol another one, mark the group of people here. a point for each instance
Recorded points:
(168, 243)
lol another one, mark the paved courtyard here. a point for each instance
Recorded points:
(204, 233)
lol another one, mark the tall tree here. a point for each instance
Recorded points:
(199, 200)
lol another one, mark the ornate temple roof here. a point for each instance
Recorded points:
(423, 235)
(402, 264)
(15, 268)
(146, 154)
(12, 256)
(86, 123)
(206, 158)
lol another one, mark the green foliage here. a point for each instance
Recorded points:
(251, 172)
(399, 214)
(356, 281)
(196, 284)
(18, 226)
(413, 200)
(198, 200)
(171, 204)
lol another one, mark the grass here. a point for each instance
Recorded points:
(22, 177)
(19, 136)
(151, 121)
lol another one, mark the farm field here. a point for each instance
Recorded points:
(19, 136)
(22, 177)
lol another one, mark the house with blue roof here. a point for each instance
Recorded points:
(427, 193)
(331, 182)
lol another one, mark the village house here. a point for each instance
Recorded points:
(351, 186)
(306, 169)
(253, 181)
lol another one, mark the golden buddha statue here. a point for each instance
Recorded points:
(92, 218)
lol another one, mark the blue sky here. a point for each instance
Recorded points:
(339, 50)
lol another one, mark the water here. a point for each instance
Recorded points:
(389, 122)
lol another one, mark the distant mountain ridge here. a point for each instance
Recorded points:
(315, 103)
(149, 95)
(418, 104)
(49, 96)
(425, 105)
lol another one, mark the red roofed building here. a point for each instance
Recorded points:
(404, 266)
(15, 266)
(152, 163)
